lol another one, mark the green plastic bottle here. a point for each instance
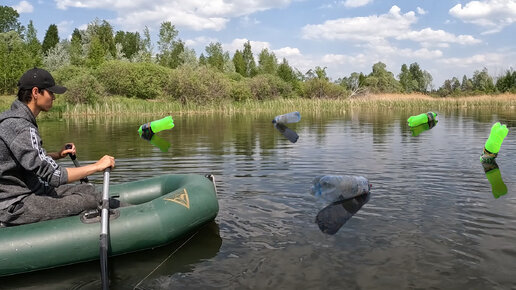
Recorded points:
(421, 119)
(498, 133)
(149, 129)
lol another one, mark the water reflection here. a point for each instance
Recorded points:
(423, 127)
(331, 218)
(494, 177)
(157, 141)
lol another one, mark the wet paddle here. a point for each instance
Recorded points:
(76, 162)
(104, 233)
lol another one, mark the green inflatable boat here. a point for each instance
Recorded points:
(161, 209)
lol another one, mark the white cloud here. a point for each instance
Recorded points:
(65, 27)
(286, 52)
(479, 60)
(24, 7)
(430, 37)
(378, 29)
(194, 14)
(421, 11)
(492, 14)
(356, 3)
(362, 29)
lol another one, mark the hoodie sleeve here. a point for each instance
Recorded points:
(26, 148)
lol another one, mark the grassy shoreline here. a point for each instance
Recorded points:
(138, 107)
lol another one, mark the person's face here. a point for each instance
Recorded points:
(44, 100)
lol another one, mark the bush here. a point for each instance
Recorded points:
(322, 89)
(67, 73)
(240, 91)
(138, 80)
(83, 89)
(200, 85)
(266, 86)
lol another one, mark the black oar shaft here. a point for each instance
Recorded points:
(76, 162)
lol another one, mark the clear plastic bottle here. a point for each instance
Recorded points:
(292, 117)
(339, 187)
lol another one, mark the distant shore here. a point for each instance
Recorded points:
(116, 105)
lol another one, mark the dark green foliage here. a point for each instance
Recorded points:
(51, 38)
(83, 88)
(239, 63)
(96, 53)
(240, 91)
(15, 59)
(250, 65)
(215, 56)
(267, 62)
(201, 85)
(33, 45)
(320, 88)
(9, 20)
(76, 53)
(131, 42)
(482, 82)
(266, 86)
(381, 81)
(66, 73)
(507, 83)
(138, 80)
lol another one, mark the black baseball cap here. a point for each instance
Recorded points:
(39, 78)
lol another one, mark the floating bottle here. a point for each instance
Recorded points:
(148, 129)
(334, 188)
(422, 128)
(288, 118)
(494, 142)
(494, 176)
(421, 119)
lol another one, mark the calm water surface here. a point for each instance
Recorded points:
(431, 220)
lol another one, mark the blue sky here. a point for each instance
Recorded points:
(446, 38)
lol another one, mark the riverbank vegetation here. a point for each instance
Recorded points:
(108, 72)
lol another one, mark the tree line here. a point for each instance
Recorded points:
(127, 63)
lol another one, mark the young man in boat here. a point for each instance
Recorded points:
(33, 187)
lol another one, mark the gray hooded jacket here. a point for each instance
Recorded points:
(25, 167)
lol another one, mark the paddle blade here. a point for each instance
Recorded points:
(285, 131)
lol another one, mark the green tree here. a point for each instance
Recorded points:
(9, 20)
(482, 82)
(131, 42)
(382, 81)
(15, 59)
(267, 62)
(215, 56)
(285, 72)
(507, 82)
(466, 85)
(96, 53)
(51, 38)
(250, 64)
(33, 44)
(239, 63)
(170, 48)
(76, 51)
(406, 81)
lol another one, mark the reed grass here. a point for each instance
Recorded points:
(137, 107)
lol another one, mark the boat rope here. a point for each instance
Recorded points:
(163, 262)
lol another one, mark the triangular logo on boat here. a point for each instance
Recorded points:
(181, 198)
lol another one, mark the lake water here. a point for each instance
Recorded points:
(431, 220)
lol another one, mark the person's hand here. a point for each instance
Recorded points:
(68, 148)
(105, 162)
